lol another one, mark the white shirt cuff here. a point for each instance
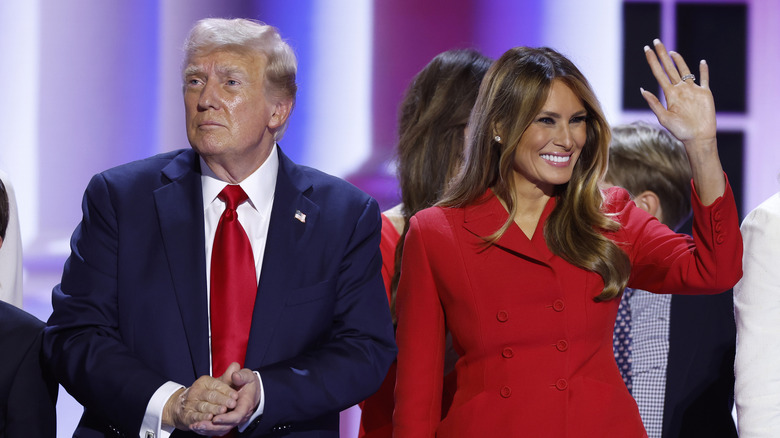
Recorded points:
(151, 427)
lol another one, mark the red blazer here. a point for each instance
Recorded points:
(535, 348)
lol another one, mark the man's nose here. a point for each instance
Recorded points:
(209, 96)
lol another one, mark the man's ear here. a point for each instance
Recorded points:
(649, 202)
(282, 110)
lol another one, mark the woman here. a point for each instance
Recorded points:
(432, 121)
(524, 256)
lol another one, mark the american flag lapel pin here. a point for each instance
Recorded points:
(300, 216)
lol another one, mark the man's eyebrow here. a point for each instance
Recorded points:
(191, 70)
(229, 70)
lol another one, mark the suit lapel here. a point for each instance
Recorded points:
(180, 212)
(293, 218)
(487, 215)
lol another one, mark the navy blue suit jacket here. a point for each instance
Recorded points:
(28, 393)
(131, 310)
(700, 369)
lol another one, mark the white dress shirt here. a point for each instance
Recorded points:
(757, 311)
(254, 216)
(11, 252)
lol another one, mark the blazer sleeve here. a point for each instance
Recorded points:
(665, 262)
(350, 363)
(421, 341)
(757, 307)
(82, 341)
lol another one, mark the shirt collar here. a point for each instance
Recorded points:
(259, 186)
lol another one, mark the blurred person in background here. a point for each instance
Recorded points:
(431, 130)
(28, 393)
(680, 348)
(757, 309)
(11, 252)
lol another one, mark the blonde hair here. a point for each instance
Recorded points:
(645, 157)
(511, 95)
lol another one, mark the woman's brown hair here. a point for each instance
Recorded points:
(431, 128)
(513, 92)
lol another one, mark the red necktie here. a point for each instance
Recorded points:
(233, 285)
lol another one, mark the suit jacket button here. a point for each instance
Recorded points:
(502, 316)
(506, 391)
(562, 345)
(561, 384)
(720, 238)
(558, 305)
(507, 353)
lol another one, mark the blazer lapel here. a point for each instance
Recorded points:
(180, 212)
(293, 219)
(487, 215)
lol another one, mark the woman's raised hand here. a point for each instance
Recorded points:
(689, 115)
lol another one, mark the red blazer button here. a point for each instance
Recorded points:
(558, 305)
(502, 316)
(561, 384)
(507, 353)
(562, 345)
(506, 391)
(719, 238)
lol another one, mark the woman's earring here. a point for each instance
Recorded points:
(497, 139)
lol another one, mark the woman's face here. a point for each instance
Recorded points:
(550, 146)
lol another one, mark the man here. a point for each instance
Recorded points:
(28, 394)
(141, 330)
(682, 347)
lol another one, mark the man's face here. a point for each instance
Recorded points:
(230, 118)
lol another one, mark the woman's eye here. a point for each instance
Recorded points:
(546, 120)
(579, 119)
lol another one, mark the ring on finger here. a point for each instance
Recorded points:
(688, 76)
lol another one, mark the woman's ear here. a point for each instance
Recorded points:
(649, 202)
(497, 130)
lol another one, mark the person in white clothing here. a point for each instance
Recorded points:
(11, 252)
(757, 310)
